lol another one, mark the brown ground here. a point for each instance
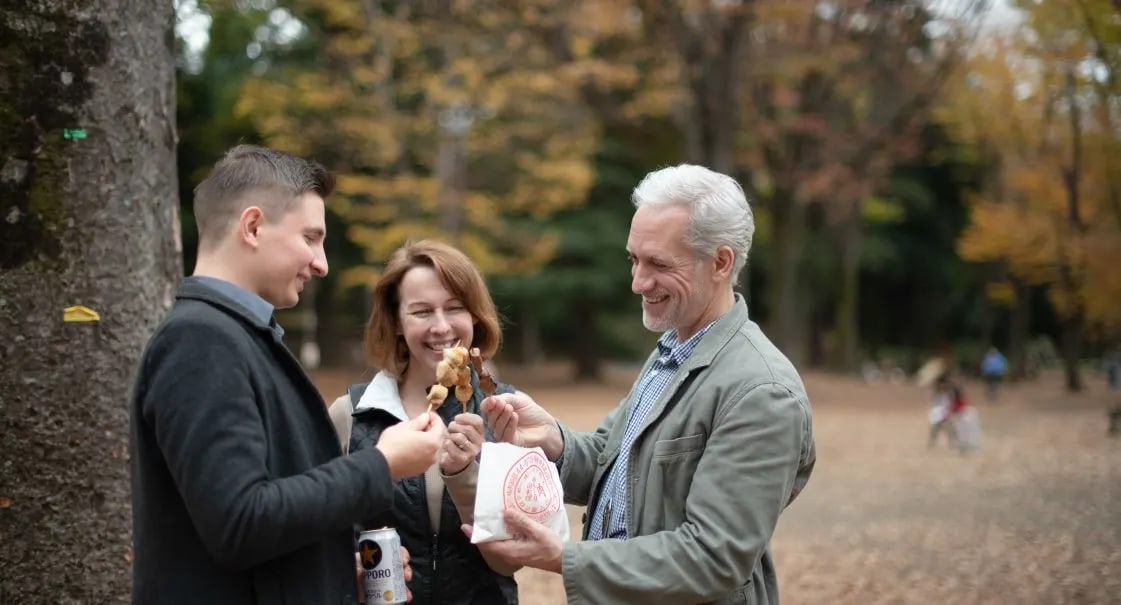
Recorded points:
(1034, 517)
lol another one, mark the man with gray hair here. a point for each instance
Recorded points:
(685, 480)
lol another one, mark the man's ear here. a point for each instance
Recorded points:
(723, 261)
(249, 223)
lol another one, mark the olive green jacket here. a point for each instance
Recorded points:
(725, 449)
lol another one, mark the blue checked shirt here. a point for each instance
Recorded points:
(609, 519)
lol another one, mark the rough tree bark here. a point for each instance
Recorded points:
(89, 209)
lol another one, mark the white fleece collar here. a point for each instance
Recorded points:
(382, 394)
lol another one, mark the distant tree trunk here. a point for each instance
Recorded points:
(1019, 333)
(787, 310)
(988, 328)
(88, 196)
(334, 336)
(713, 47)
(846, 322)
(1072, 174)
(587, 354)
(1072, 352)
(530, 331)
(815, 340)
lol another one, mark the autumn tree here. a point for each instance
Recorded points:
(1040, 102)
(805, 103)
(443, 120)
(837, 95)
(87, 192)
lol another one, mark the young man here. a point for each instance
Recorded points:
(686, 479)
(239, 492)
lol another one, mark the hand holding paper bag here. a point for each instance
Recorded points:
(522, 481)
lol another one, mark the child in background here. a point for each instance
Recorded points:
(951, 411)
(941, 405)
(965, 422)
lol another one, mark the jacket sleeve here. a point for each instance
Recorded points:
(749, 472)
(200, 403)
(580, 457)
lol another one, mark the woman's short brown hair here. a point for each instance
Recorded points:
(385, 346)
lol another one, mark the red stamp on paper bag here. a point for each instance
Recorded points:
(529, 487)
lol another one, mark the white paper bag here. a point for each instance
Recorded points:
(518, 478)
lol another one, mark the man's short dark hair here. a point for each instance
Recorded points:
(249, 175)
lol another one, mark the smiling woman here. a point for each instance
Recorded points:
(430, 306)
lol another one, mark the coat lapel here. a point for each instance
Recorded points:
(711, 344)
(307, 391)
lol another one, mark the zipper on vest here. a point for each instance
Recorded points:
(435, 585)
(435, 550)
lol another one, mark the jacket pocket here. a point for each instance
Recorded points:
(744, 595)
(671, 448)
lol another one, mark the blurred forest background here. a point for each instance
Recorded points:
(929, 177)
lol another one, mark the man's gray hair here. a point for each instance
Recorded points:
(719, 212)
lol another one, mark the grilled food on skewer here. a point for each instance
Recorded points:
(485, 381)
(437, 393)
(452, 372)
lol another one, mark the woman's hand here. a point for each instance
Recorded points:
(463, 443)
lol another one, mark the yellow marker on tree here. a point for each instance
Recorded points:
(78, 313)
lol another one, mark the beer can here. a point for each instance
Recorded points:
(383, 574)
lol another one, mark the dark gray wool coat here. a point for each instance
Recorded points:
(239, 492)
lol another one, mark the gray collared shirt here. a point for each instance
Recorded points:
(259, 307)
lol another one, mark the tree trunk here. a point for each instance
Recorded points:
(530, 331)
(846, 323)
(1072, 348)
(587, 352)
(335, 335)
(787, 311)
(1020, 331)
(88, 194)
(713, 51)
(1072, 325)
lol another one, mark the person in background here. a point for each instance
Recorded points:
(950, 411)
(993, 367)
(430, 297)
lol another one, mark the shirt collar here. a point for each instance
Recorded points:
(382, 394)
(672, 352)
(259, 307)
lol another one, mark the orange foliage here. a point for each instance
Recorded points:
(1048, 212)
(371, 109)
